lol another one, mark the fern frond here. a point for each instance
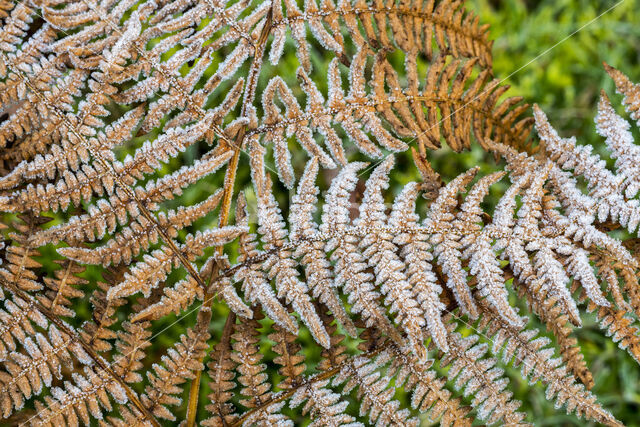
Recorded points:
(373, 390)
(466, 106)
(76, 402)
(131, 344)
(221, 373)
(280, 266)
(180, 362)
(606, 187)
(26, 373)
(350, 264)
(537, 364)
(16, 323)
(324, 406)
(104, 216)
(252, 376)
(255, 283)
(154, 268)
(417, 257)
(429, 394)
(481, 379)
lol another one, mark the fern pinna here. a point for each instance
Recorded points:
(148, 143)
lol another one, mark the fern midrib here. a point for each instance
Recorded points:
(61, 284)
(461, 104)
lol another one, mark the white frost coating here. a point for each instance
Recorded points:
(578, 265)
(620, 142)
(132, 31)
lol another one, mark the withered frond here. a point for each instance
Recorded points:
(137, 140)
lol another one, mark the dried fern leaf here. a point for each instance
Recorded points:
(481, 379)
(221, 374)
(180, 363)
(280, 267)
(154, 268)
(87, 397)
(416, 255)
(373, 390)
(429, 394)
(313, 258)
(252, 376)
(26, 373)
(465, 106)
(350, 264)
(255, 284)
(537, 364)
(380, 251)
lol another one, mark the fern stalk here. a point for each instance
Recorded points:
(225, 210)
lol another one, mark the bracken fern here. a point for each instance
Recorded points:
(113, 112)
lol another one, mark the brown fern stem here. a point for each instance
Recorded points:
(225, 209)
(99, 361)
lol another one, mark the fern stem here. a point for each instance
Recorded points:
(225, 209)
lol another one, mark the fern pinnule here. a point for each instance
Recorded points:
(428, 391)
(138, 236)
(537, 364)
(180, 363)
(415, 253)
(154, 268)
(63, 288)
(445, 241)
(481, 379)
(377, 400)
(317, 268)
(255, 283)
(221, 374)
(380, 251)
